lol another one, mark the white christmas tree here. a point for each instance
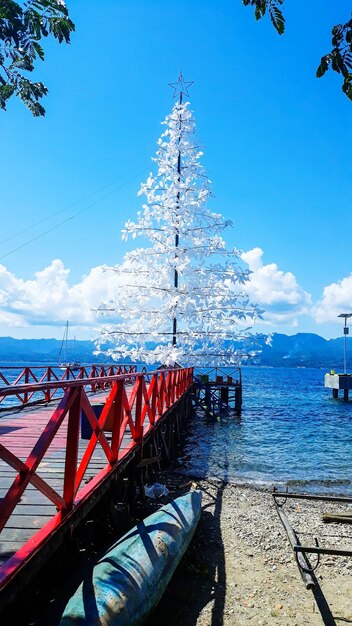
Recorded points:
(180, 300)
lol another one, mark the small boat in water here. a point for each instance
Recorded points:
(64, 352)
(129, 580)
(73, 365)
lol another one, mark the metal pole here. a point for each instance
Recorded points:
(344, 348)
(177, 239)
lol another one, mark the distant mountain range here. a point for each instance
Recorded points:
(46, 350)
(301, 350)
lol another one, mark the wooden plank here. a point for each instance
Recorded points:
(33, 522)
(6, 482)
(16, 534)
(34, 509)
(8, 548)
(337, 518)
(29, 497)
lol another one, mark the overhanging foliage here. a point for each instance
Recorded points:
(21, 30)
(340, 57)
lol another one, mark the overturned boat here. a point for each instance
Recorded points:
(129, 580)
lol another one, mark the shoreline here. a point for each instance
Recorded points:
(293, 485)
(240, 567)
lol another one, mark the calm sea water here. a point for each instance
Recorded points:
(290, 432)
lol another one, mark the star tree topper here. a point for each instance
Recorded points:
(181, 87)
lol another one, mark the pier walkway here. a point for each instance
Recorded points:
(51, 477)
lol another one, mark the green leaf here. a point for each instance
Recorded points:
(21, 29)
(337, 35)
(324, 65)
(6, 91)
(276, 15)
(259, 11)
(347, 86)
(337, 63)
(39, 50)
(22, 63)
(277, 19)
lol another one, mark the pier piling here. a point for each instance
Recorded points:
(338, 381)
(217, 392)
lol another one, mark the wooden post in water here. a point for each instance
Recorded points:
(207, 396)
(224, 394)
(238, 398)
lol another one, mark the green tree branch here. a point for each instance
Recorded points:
(21, 29)
(340, 57)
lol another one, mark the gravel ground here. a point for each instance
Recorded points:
(240, 568)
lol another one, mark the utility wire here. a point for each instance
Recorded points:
(49, 230)
(69, 206)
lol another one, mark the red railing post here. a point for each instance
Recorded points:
(167, 389)
(26, 380)
(162, 393)
(138, 418)
(179, 383)
(117, 417)
(47, 391)
(154, 382)
(173, 386)
(91, 375)
(73, 427)
(185, 381)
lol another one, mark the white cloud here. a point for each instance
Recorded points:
(49, 299)
(336, 299)
(277, 292)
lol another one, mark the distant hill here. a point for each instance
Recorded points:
(46, 350)
(301, 350)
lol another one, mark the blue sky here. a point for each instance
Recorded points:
(276, 145)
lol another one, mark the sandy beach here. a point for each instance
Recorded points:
(240, 568)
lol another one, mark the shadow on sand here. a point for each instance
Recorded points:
(200, 579)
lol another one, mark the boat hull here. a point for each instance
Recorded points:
(128, 582)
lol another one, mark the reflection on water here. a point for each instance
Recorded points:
(290, 431)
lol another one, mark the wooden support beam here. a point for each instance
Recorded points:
(152, 459)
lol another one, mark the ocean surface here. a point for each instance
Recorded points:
(291, 432)
(12, 371)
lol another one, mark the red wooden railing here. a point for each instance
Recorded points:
(133, 411)
(39, 374)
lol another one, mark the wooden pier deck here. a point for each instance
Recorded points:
(50, 478)
(19, 434)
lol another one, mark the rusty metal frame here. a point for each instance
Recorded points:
(299, 550)
(305, 568)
